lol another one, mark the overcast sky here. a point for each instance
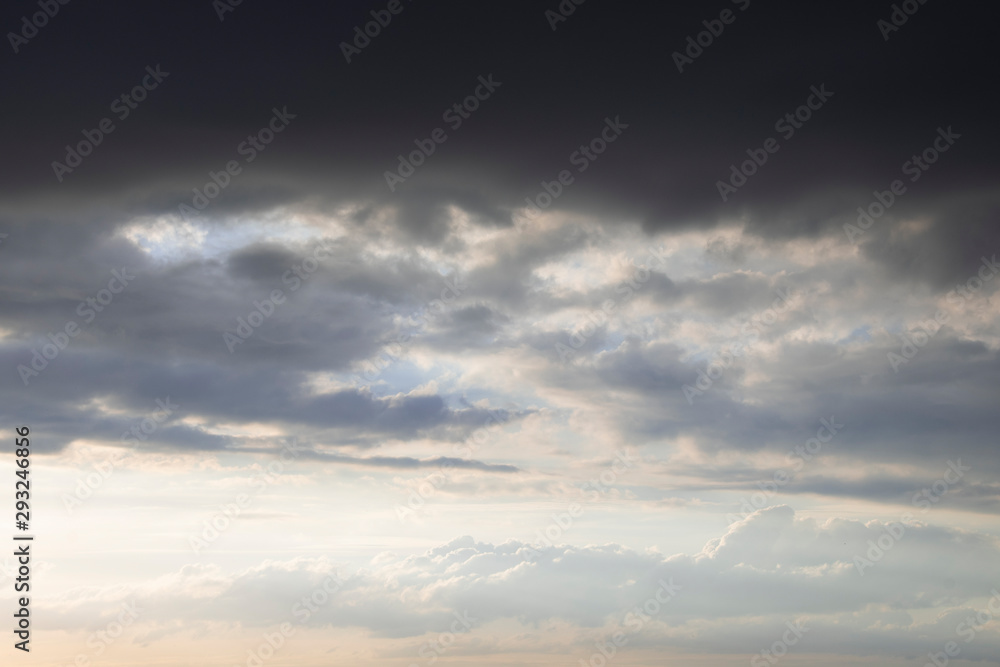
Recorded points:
(516, 333)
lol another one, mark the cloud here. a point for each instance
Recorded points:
(772, 565)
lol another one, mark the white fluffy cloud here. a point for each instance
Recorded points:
(732, 596)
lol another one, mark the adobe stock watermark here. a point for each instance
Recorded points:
(787, 125)
(749, 332)
(713, 29)
(435, 648)
(373, 368)
(88, 309)
(302, 611)
(899, 16)
(221, 521)
(920, 336)
(581, 158)
(293, 278)
(634, 621)
(454, 115)
(599, 317)
(140, 431)
(31, 26)
(417, 500)
(381, 18)
(223, 7)
(967, 629)
(249, 148)
(562, 12)
(122, 107)
(797, 459)
(914, 168)
(98, 642)
(779, 648)
(924, 499)
(599, 487)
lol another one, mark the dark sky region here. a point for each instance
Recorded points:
(463, 265)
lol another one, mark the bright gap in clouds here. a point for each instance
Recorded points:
(171, 239)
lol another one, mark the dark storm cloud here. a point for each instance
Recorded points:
(557, 88)
(686, 129)
(264, 393)
(162, 336)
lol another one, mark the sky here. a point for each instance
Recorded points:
(401, 333)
